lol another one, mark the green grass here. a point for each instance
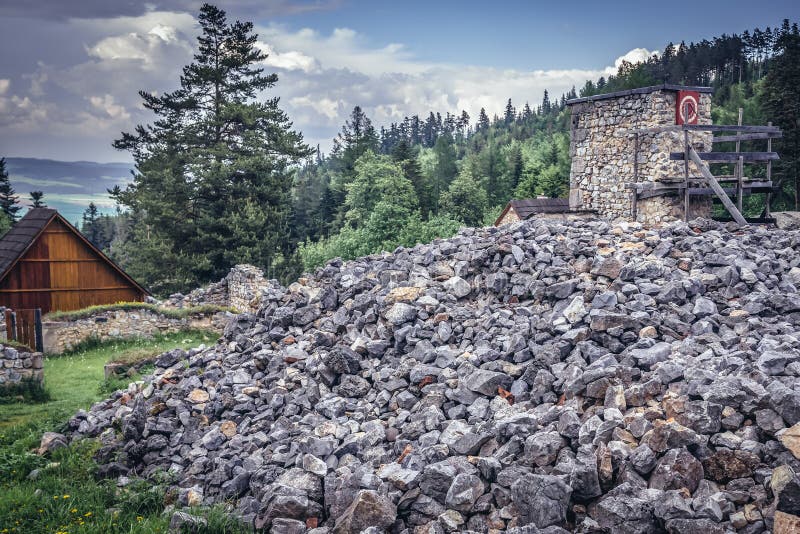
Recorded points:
(26, 390)
(172, 313)
(65, 496)
(73, 379)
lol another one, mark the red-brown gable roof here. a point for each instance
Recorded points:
(23, 234)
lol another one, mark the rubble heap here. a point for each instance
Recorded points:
(541, 377)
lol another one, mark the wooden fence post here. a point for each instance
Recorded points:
(37, 321)
(11, 326)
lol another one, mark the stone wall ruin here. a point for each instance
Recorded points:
(241, 289)
(602, 148)
(17, 365)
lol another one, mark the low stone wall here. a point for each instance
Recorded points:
(118, 324)
(16, 366)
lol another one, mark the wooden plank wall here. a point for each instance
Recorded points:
(60, 273)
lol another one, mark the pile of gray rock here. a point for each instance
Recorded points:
(541, 377)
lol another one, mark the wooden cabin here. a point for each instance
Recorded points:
(46, 263)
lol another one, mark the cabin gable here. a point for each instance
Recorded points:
(60, 270)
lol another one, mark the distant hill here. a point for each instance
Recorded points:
(68, 186)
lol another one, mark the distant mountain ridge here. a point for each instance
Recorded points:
(68, 186)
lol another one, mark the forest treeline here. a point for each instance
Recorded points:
(222, 178)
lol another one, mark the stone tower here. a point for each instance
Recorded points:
(602, 145)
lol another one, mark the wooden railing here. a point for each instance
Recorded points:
(707, 183)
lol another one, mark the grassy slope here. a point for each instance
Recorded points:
(65, 497)
(74, 379)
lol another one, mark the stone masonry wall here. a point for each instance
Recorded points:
(63, 335)
(602, 150)
(16, 366)
(245, 285)
(241, 290)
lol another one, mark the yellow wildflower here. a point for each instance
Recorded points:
(74, 510)
(87, 514)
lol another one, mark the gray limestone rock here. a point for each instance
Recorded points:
(541, 499)
(368, 509)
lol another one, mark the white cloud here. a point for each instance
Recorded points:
(322, 77)
(324, 106)
(634, 56)
(291, 60)
(147, 47)
(106, 104)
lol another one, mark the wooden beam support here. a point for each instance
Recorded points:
(704, 170)
(728, 157)
(739, 169)
(768, 198)
(687, 146)
(59, 289)
(721, 178)
(709, 128)
(55, 260)
(746, 137)
(677, 189)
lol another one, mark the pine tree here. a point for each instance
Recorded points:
(357, 137)
(483, 120)
(8, 199)
(37, 199)
(510, 113)
(214, 170)
(527, 113)
(462, 124)
(90, 228)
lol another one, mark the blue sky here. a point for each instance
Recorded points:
(542, 35)
(70, 85)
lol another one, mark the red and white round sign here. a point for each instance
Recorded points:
(687, 106)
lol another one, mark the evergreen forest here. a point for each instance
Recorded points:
(222, 177)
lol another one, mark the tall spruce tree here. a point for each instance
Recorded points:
(214, 170)
(483, 120)
(8, 199)
(90, 227)
(357, 137)
(510, 113)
